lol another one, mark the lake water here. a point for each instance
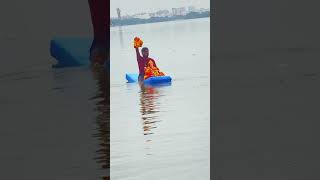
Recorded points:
(54, 124)
(161, 132)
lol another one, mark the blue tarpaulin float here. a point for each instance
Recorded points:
(132, 78)
(71, 52)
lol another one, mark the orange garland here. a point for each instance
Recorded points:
(150, 70)
(137, 42)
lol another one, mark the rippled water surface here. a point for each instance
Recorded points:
(161, 132)
(54, 124)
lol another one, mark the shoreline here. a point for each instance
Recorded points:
(119, 23)
(180, 20)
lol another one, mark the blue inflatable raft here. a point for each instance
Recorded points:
(71, 51)
(132, 78)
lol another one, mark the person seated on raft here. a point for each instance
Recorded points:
(147, 66)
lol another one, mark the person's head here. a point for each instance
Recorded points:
(145, 52)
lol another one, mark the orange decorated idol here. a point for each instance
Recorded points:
(151, 70)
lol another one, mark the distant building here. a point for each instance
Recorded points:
(162, 13)
(179, 11)
(119, 13)
(191, 9)
(204, 9)
(152, 14)
(174, 11)
(126, 17)
(141, 16)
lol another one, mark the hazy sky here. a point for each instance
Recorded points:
(136, 6)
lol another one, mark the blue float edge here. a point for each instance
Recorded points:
(58, 52)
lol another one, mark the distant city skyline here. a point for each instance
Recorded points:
(139, 6)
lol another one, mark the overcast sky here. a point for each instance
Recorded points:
(137, 6)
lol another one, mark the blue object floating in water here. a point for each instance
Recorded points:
(71, 51)
(131, 78)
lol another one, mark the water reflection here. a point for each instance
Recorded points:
(103, 119)
(149, 108)
(121, 37)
